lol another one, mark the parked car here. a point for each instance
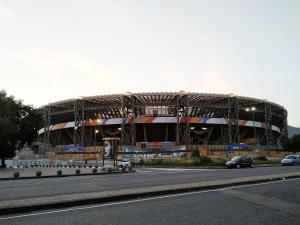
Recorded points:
(123, 163)
(290, 160)
(240, 161)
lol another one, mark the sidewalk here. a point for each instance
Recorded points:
(25, 173)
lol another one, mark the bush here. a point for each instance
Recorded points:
(261, 158)
(59, 172)
(16, 174)
(195, 154)
(38, 173)
(205, 159)
(141, 162)
(95, 170)
(77, 171)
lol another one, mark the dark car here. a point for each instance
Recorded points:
(240, 161)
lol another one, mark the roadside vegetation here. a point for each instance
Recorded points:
(198, 161)
(19, 124)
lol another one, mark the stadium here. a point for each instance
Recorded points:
(157, 120)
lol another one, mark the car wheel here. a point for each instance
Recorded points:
(238, 166)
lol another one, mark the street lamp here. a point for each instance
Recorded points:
(252, 109)
(96, 132)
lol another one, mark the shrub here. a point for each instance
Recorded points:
(59, 172)
(16, 174)
(95, 170)
(141, 162)
(77, 171)
(261, 158)
(205, 159)
(195, 154)
(38, 173)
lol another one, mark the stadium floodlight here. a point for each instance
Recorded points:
(127, 93)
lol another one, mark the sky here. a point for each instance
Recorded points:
(54, 50)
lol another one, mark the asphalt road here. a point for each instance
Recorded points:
(270, 203)
(23, 189)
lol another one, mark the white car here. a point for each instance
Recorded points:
(123, 163)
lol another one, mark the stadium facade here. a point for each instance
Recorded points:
(176, 118)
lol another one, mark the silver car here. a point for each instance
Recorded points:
(123, 163)
(290, 160)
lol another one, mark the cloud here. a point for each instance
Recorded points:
(7, 15)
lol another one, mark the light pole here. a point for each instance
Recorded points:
(96, 132)
(253, 109)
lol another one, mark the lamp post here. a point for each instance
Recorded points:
(96, 132)
(252, 109)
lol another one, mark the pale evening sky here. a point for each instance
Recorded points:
(60, 49)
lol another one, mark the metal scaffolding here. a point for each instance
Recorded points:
(47, 123)
(79, 118)
(180, 105)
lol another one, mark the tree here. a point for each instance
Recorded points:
(19, 123)
(291, 144)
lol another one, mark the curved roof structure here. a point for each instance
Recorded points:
(164, 104)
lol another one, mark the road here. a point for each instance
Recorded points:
(22, 189)
(269, 203)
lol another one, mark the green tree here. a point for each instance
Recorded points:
(291, 144)
(19, 123)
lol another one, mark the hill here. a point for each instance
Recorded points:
(293, 130)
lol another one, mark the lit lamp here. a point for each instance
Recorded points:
(96, 132)
(252, 109)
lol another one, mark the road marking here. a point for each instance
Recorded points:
(142, 200)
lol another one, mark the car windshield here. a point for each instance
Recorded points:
(122, 160)
(236, 158)
(290, 157)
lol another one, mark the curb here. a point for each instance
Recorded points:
(72, 200)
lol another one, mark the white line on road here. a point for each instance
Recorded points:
(142, 200)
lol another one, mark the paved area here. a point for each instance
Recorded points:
(46, 171)
(10, 190)
(273, 203)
